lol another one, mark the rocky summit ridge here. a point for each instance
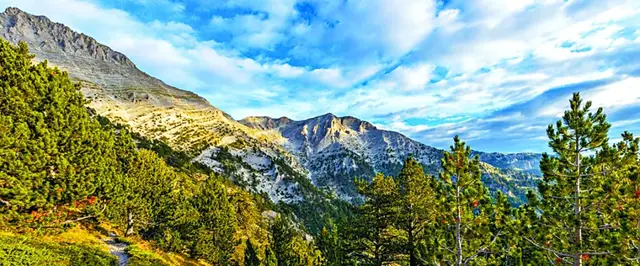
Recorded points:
(337, 149)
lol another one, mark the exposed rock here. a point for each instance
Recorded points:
(87, 60)
(337, 149)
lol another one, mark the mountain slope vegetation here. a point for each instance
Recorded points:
(63, 166)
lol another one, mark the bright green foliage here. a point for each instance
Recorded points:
(627, 198)
(510, 248)
(146, 187)
(51, 152)
(330, 245)
(466, 210)
(270, 258)
(212, 224)
(251, 255)
(374, 235)
(580, 190)
(416, 207)
(289, 246)
(198, 221)
(251, 224)
(25, 251)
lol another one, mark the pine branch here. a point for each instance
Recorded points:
(6, 203)
(563, 259)
(602, 200)
(482, 250)
(632, 259)
(555, 252)
(448, 249)
(604, 227)
(78, 219)
(596, 253)
(562, 198)
(581, 175)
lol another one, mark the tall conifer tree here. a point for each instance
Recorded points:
(466, 203)
(576, 224)
(416, 206)
(374, 233)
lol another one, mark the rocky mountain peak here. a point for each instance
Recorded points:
(43, 34)
(265, 122)
(107, 76)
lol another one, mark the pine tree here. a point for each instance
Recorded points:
(282, 232)
(143, 191)
(251, 224)
(211, 231)
(627, 202)
(577, 224)
(289, 247)
(466, 203)
(270, 258)
(416, 206)
(330, 244)
(250, 255)
(374, 233)
(52, 154)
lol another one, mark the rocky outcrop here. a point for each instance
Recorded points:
(89, 61)
(337, 149)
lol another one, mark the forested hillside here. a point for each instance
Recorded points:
(61, 166)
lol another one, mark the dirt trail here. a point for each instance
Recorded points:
(118, 249)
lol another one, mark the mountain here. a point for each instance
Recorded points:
(337, 149)
(117, 89)
(289, 161)
(109, 75)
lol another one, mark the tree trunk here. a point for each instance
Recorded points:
(412, 254)
(577, 261)
(458, 227)
(129, 224)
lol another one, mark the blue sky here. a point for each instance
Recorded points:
(496, 72)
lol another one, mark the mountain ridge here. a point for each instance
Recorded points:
(337, 149)
(88, 60)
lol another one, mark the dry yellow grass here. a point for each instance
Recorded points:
(94, 237)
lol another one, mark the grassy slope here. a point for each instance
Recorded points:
(78, 246)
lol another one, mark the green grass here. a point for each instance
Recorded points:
(23, 250)
(141, 257)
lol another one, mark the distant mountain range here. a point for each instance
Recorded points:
(337, 149)
(291, 161)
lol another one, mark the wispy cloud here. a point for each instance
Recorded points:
(494, 72)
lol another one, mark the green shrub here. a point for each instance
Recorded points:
(21, 250)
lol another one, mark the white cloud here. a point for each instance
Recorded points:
(288, 71)
(262, 30)
(150, 50)
(622, 123)
(611, 97)
(366, 31)
(517, 44)
(410, 77)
